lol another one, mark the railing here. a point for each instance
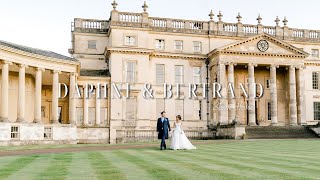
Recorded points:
(142, 20)
(269, 30)
(125, 136)
(130, 17)
(250, 29)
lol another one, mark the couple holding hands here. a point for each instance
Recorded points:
(179, 139)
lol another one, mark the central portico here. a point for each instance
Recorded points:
(266, 60)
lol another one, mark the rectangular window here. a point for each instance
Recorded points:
(315, 80)
(269, 110)
(197, 109)
(197, 75)
(160, 74)
(92, 115)
(178, 45)
(103, 115)
(315, 53)
(15, 132)
(197, 46)
(268, 83)
(92, 44)
(316, 110)
(130, 40)
(79, 111)
(160, 44)
(160, 106)
(178, 74)
(131, 71)
(47, 132)
(179, 107)
(131, 111)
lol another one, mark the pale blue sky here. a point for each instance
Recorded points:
(45, 24)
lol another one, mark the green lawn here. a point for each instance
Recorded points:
(264, 159)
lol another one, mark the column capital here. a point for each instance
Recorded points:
(300, 67)
(253, 64)
(291, 67)
(222, 63)
(22, 66)
(39, 69)
(274, 65)
(231, 63)
(55, 72)
(73, 74)
(6, 62)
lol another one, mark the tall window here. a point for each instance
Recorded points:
(315, 80)
(315, 53)
(79, 111)
(160, 74)
(92, 115)
(197, 109)
(268, 83)
(178, 45)
(92, 44)
(269, 110)
(15, 133)
(197, 75)
(131, 72)
(103, 115)
(160, 106)
(130, 40)
(316, 110)
(159, 44)
(178, 74)
(131, 111)
(179, 107)
(197, 46)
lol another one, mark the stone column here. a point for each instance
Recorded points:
(85, 107)
(273, 94)
(293, 97)
(223, 115)
(72, 103)
(55, 97)
(252, 95)
(231, 100)
(301, 88)
(98, 120)
(38, 94)
(5, 92)
(21, 93)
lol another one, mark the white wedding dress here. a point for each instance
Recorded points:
(179, 139)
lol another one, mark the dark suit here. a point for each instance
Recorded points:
(163, 129)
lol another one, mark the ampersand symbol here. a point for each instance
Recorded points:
(147, 90)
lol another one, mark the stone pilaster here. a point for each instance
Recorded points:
(21, 93)
(223, 115)
(5, 92)
(252, 95)
(231, 100)
(85, 106)
(301, 88)
(55, 97)
(38, 94)
(273, 94)
(293, 97)
(98, 121)
(72, 103)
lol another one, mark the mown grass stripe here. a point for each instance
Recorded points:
(260, 165)
(269, 155)
(103, 166)
(16, 165)
(157, 171)
(58, 168)
(33, 169)
(203, 168)
(80, 167)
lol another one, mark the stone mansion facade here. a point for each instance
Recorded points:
(136, 48)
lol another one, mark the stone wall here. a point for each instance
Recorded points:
(231, 132)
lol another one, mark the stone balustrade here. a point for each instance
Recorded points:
(125, 136)
(220, 28)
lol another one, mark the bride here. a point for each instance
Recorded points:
(179, 139)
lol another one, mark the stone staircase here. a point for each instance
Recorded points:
(279, 132)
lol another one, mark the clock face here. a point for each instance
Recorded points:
(263, 45)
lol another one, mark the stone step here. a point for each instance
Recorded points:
(279, 132)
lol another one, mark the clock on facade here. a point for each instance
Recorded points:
(263, 45)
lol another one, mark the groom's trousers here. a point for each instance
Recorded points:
(163, 141)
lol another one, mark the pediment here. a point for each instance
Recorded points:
(250, 46)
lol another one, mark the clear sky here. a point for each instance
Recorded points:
(46, 24)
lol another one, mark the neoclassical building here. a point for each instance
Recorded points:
(136, 48)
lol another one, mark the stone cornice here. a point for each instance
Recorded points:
(36, 56)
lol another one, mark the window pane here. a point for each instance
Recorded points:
(131, 72)
(178, 74)
(197, 46)
(316, 110)
(159, 44)
(179, 45)
(197, 75)
(315, 80)
(92, 45)
(269, 110)
(160, 74)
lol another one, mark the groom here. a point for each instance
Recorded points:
(163, 128)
